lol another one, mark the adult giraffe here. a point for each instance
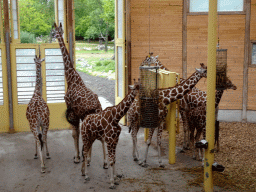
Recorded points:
(80, 100)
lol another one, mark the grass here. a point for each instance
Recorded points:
(99, 60)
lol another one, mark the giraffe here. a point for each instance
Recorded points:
(38, 116)
(104, 125)
(197, 118)
(166, 96)
(80, 100)
(194, 98)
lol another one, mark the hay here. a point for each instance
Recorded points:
(237, 155)
(221, 69)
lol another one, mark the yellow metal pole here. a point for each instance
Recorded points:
(211, 84)
(172, 131)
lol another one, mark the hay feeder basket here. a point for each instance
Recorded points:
(221, 69)
(149, 95)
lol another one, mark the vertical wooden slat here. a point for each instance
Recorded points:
(8, 61)
(184, 40)
(70, 27)
(128, 43)
(246, 58)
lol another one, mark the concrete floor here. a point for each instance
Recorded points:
(20, 172)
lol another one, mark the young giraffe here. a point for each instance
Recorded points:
(80, 100)
(104, 125)
(38, 116)
(197, 118)
(166, 96)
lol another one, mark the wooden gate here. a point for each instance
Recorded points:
(24, 80)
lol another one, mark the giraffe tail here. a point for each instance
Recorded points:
(41, 141)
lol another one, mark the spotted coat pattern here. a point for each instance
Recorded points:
(80, 100)
(38, 116)
(166, 96)
(197, 118)
(104, 125)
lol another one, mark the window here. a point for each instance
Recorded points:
(223, 5)
(253, 55)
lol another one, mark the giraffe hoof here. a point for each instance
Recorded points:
(112, 187)
(135, 159)
(48, 157)
(35, 157)
(144, 165)
(182, 151)
(88, 164)
(116, 183)
(105, 166)
(76, 160)
(120, 176)
(43, 170)
(162, 166)
(86, 179)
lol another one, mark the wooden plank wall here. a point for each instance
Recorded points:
(231, 34)
(166, 41)
(165, 33)
(252, 71)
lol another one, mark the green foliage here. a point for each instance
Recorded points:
(94, 17)
(36, 16)
(26, 37)
(105, 65)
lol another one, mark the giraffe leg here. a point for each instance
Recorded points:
(144, 162)
(35, 157)
(75, 134)
(45, 129)
(41, 154)
(159, 135)
(111, 159)
(105, 163)
(135, 153)
(89, 156)
(84, 169)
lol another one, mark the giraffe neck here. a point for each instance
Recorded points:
(38, 88)
(68, 65)
(172, 94)
(122, 108)
(218, 96)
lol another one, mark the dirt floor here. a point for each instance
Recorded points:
(237, 154)
(20, 172)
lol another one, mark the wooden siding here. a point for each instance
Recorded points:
(231, 33)
(251, 105)
(165, 33)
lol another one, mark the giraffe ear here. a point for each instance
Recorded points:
(60, 25)
(42, 60)
(157, 56)
(55, 25)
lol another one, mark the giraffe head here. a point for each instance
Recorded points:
(136, 86)
(38, 60)
(58, 30)
(202, 70)
(229, 84)
(150, 59)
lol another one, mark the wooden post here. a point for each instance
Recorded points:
(184, 40)
(246, 58)
(8, 61)
(70, 28)
(211, 84)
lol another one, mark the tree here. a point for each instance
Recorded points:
(36, 16)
